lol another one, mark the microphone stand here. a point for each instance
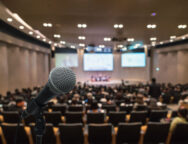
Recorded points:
(39, 126)
(37, 111)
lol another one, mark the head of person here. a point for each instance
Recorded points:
(153, 80)
(182, 112)
(94, 105)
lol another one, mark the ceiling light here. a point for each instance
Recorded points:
(62, 42)
(57, 36)
(44, 40)
(161, 43)
(182, 26)
(120, 25)
(81, 25)
(130, 39)
(9, 19)
(171, 40)
(50, 42)
(82, 45)
(101, 46)
(21, 27)
(151, 26)
(116, 26)
(55, 44)
(38, 37)
(45, 24)
(183, 38)
(81, 37)
(50, 25)
(120, 46)
(72, 46)
(124, 49)
(137, 45)
(31, 33)
(107, 39)
(157, 69)
(153, 39)
(172, 37)
(153, 43)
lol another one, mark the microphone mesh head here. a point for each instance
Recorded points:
(61, 80)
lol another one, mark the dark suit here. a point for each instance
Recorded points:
(154, 90)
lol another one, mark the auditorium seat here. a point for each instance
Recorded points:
(180, 134)
(138, 116)
(128, 133)
(116, 117)
(71, 133)
(62, 108)
(48, 137)
(109, 108)
(157, 115)
(141, 108)
(95, 117)
(156, 133)
(9, 131)
(53, 117)
(11, 116)
(174, 114)
(100, 133)
(29, 119)
(74, 117)
(75, 108)
(127, 108)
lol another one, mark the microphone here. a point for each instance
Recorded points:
(61, 80)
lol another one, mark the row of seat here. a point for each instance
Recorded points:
(99, 134)
(80, 108)
(78, 117)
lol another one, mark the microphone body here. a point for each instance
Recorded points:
(61, 80)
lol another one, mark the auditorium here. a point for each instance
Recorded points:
(93, 72)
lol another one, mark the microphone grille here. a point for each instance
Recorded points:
(62, 80)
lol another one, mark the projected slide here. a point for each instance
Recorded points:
(98, 62)
(133, 60)
(66, 60)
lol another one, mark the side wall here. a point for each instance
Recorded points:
(22, 64)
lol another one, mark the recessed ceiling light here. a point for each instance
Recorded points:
(44, 40)
(101, 46)
(151, 26)
(81, 25)
(31, 33)
(50, 42)
(72, 46)
(157, 69)
(55, 44)
(38, 36)
(130, 39)
(82, 45)
(107, 39)
(62, 42)
(81, 37)
(116, 25)
(21, 27)
(153, 39)
(50, 25)
(120, 46)
(171, 40)
(45, 24)
(182, 26)
(183, 38)
(9, 19)
(161, 43)
(172, 37)
(153, 43)
(57, 36)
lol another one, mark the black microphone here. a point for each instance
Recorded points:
(61, 80)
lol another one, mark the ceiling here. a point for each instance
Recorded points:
(100, 16)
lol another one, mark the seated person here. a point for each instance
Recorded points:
(95, 108)
(181, 118)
